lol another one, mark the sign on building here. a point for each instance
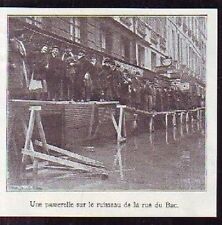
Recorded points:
(130, 68)
(183, 86)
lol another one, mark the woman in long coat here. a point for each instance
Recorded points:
(18, 79)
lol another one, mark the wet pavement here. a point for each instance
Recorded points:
(166, 161)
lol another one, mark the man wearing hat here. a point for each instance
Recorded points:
(110, 80)
(18, 80)
(105, 77)
(68, 80)
(96, 86)
(55, 73)
(82, 70)
(124, 90)
(116, 80)
(70, 73)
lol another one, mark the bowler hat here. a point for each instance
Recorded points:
(55, 46)
(106, 60)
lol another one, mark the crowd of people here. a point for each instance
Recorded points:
(58, 74)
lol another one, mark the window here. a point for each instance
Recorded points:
(151, 22)
(158, 25)
(103, 40)
(173, 44)
(161, 59)
(178, 47)
(75, 29)
(141, 55)
(163, 27)
(187, 54)
(153, 60)
(125, 48)
(34, 20)
(106, 40)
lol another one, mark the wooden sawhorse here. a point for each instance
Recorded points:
(121, 126)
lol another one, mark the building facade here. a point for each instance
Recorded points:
(140, 42)
(181, 38)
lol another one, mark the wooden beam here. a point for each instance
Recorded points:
(41, 132)
(166, 120)
(25, 132)
(40, 165)
(151, 123)
(91, 121)
(187, 117)
(58, 167)
(29, 132)
(124, 124)
(174, 133)
(43, 103)
(114, 121)
(80, 158)
(181, 117)
(174, 120)
(35, 167)
(100, 120)
(200, 115)
(65, 162)
(119, 133)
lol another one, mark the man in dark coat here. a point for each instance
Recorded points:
(136, 92)
(82, 68)
(147, 96)
(105, 77)
(18, 79)
(112, 79)
(172, 99)
(159, 100)
(94, 74)
(116, 81)
(125, 83)
(165, 100)
(55, 74)
(70, 74)
(68, 79)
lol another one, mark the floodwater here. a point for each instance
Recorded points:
(172, 160)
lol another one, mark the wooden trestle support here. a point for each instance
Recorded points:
(72, 161)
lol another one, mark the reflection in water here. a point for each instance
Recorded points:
(167, 142)
(174, 133)
(118, 160)
(166, 159)
(151, 137)
(175, 162)
(181, 130)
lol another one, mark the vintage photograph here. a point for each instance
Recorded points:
(106, 103)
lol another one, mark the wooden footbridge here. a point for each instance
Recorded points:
(51, 156)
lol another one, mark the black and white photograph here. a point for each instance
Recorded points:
(106, 103)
